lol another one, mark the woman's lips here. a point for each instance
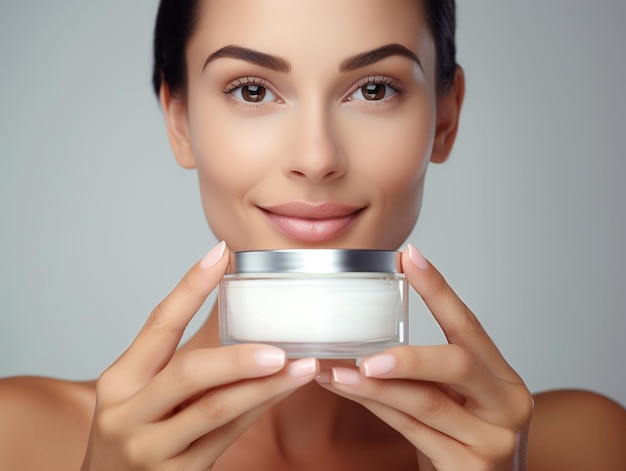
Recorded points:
(312, 223)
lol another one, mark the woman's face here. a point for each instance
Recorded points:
(311, 124)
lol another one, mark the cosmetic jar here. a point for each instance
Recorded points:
(324, 303)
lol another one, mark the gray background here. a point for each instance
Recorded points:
(526, 220)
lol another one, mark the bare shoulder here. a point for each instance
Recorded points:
(577, 430)
(44, 423)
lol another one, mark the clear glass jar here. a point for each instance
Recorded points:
(326, 303)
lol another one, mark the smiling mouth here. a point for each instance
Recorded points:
(310, 223)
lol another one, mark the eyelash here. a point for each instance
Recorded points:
(241, 81)
(395, 84)
(244, 81)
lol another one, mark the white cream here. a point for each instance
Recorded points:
(313, 310)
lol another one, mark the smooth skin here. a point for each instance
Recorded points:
(218, 408)
(314, 137)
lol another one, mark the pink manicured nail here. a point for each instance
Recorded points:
(213, 256)
(346, 376)
(417, 258)
(323, 377)
(270, 357)
(379, 365)
(300, 368)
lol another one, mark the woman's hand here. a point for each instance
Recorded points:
(157, 409)
(461, 405)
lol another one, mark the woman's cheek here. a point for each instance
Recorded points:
(394, 152)
(394, 159)
(233, 155)
(232, 152)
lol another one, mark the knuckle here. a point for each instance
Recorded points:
(409, 357)
(467, 326)
(470, 325)
(231, 427)
(105, 381)
(380, 388)
(137, 453)
(463, 364)
(434, 402)
(523, 406)
(158, 318)
(114, 385)
(185, 369)
(109, 424)
(438, 286)
(212, 406)
(505, 445)
(413, 425)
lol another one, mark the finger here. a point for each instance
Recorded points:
(424, 402)
(457, 321)
(195, 371)
(224, 412)
(429, 419)
(443, 451)
(448, 365)
(158, 339)
(208, 449)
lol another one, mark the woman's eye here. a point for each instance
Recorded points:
(252, 93)
(373, 91)
(376, 88)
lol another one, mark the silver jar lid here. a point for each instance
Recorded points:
(316, 261)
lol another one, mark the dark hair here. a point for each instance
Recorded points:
(441, 18)
(177, 20)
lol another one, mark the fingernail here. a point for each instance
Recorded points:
(269, 357)
(417, 258)
(346, 376)
(300, 368)
(379, 365)
(323, 377)
(214, 255)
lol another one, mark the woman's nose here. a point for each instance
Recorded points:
(316, 154)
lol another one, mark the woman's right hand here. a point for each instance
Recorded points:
(158, 409)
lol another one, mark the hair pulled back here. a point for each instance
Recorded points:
(177, 20)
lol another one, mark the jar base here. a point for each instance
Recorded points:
(346, 350)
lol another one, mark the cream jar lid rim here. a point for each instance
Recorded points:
(316, 261)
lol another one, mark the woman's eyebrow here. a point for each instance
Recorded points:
(281, 65)
(370, 57)
(250, 55)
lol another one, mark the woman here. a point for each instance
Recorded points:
(311, 124)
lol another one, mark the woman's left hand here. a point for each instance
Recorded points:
(461, 404)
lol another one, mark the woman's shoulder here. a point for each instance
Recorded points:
(44, 421)
(574, 429)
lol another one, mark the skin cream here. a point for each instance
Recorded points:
(327, 303)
